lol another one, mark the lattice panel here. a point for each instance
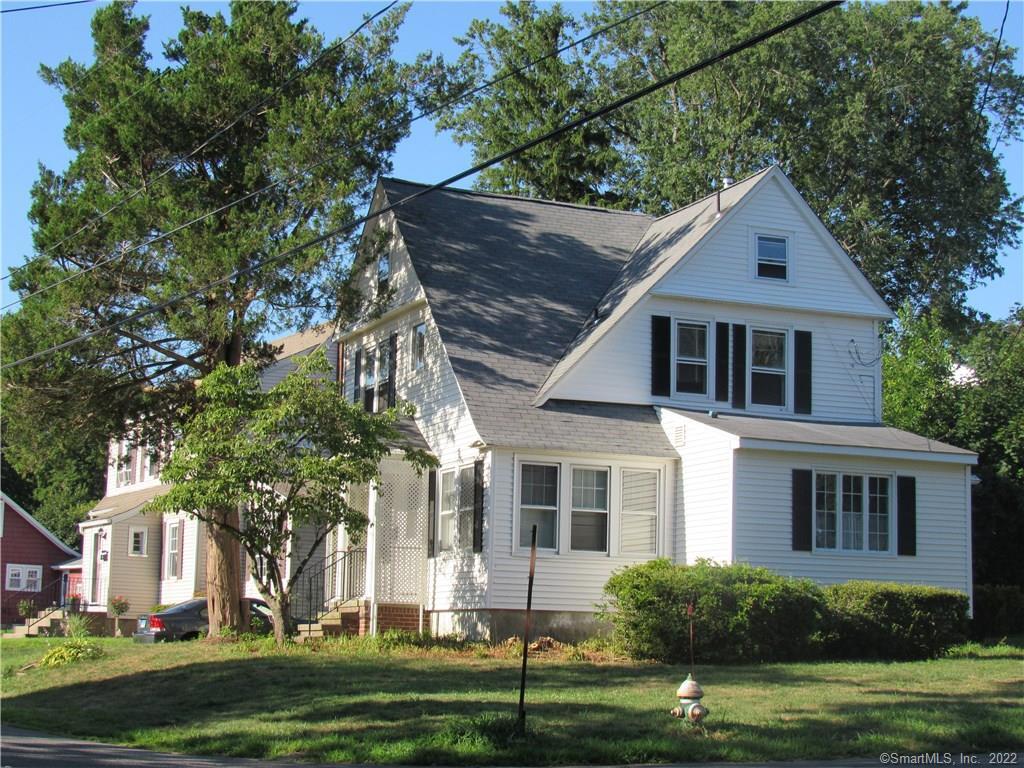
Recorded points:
(401, 531)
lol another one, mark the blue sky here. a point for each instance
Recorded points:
(32, 116)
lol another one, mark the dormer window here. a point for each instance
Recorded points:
(383, 273)
(772, 257)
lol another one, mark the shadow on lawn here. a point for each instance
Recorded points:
(386, 709)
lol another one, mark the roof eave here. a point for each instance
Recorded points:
(761, 444)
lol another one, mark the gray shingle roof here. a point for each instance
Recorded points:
(510, 282)
(844, 435)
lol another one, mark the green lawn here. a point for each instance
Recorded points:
(345, 702)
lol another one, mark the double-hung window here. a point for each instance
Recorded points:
(419, 346)
(638, 529)
(455, 512)
(173, 566)
(692, 358)
(24, 578)
(137, 542)
(538, 504)
(848, 519)
(589, 524)
(386, 369)
(768, 367)
(369, 377)
(124, 464)
(772, 257)
(383, 273)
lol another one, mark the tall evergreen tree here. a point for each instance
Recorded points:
(244, 101)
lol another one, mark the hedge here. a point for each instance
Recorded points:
(744, 613)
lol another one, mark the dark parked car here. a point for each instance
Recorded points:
(189, 621)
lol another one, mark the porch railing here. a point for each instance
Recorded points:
(339, 578)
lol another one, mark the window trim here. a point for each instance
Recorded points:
(454, 511)
(366, 388)
(517, 544)
(418, 354)
(787, 372)
(607, 511)
(177, 559)
(657, 512)
(708, 395)
(383, 276)
(615, 467)
(132, 530)
(866, 476)
(124, 464)
(791, 247)
(23, 570)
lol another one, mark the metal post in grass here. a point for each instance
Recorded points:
(521, 724)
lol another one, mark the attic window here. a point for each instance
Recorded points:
(383, 273)
(772, 257)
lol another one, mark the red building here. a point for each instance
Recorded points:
(30, 560)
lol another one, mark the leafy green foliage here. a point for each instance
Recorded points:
(876, 620)
(70, 651)
(76, 626)
(998, 611)
(742, 613)
(134, 129)
(287, 457)
(26, 608)
(879, 113)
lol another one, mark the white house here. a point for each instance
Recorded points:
(702, 385)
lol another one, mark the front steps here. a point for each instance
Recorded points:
(47, 623)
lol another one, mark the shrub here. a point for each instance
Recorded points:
(26, 608)
(69, 652)
(868, 619)
(742, 613)
(76, 626)
(998, 611)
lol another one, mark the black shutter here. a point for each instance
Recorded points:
(906, 516)
(661, 355)
(722, 362)
(357, 372)
(803, 498)
(802, 384)
(739, 366)
(478, 505)
(431, 512)
(393, 371)
(340, 369)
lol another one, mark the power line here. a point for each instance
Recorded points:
(220, 132)
(425, 113)
(519, 149)
(50, 5)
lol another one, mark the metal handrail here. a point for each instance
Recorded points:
(54, 606)
(319, 579)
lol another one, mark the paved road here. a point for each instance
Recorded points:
(29, 749)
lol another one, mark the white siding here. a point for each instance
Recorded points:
(565, 581)
(705, 490)
(193, 561)
(846, 367)
(275, 372)
(722, 268)
(764, 521)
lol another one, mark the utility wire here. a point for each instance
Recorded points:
(50, 5)
(217, 134)
(519, 149)
(331, 156)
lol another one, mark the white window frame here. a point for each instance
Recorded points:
(132, 530)
(607, 511)
(678, 358)
(418, 347)
(383, 272)
(615, 466)
(840, 547)
(124, 464)
(453, 512)
(791, 246)
(369, 362)
(24, 579)
(516, 532)
(172, 554)
(657, 515)
(787, 371)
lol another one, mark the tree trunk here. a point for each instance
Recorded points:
(280, 606)
(223, 596)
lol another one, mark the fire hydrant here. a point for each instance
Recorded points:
(690, 693)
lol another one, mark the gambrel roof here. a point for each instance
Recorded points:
(510, 282)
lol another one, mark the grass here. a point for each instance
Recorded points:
(384, 702)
